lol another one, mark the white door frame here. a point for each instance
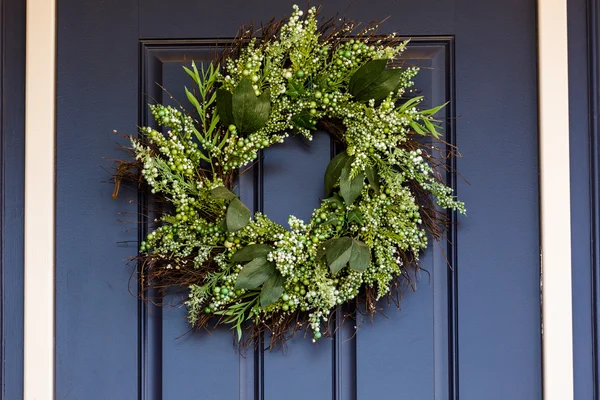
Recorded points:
(40, 200)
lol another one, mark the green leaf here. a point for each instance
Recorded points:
(272, 290)
(418, 128)
(194, 75)
(365, 76)
(374, 81)
(360, 256)
(431, 128)
(304, 120)
(321, 251)
(334, 170)
(373, 178)
(338, 253)
(213, 123)
(387, 82)
(222, 192)
(250, 113)
(251, 252)
(350, 188)
(413, 101)
(356, 216)
(295, 89)
(193, 100)
(255, 273)
(434, 110)
(262, 110)
(238, 215)
(224, 107)
(335, 199)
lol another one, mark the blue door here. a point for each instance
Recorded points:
(471, 330)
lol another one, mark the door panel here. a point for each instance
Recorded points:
(422, 331)
(471, 328)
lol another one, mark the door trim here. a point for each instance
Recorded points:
(555, 210)
(40, 199)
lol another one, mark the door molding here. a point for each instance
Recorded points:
(555, 210)
(40, 203)
(39, 199)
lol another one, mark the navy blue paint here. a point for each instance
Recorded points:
(584, 100)
(97, 91)
(108, 346)
(293, 185)
(498, 247)
(425, 328)
(12, 167)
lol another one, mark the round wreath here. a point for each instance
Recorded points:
(383, 192)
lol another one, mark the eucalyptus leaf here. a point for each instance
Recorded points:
(365, 76)
(338, 253)
(387, 82)
(350, 188)
(255, 273)
(334, 170)
(373, 178)
(221, 192)
(321, 251)
(238, 215)
(272, 289)
(251, 252)
(360, 256)
(262, 110)
(250, 113)
(224, 107)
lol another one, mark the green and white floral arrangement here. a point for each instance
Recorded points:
(384, 194)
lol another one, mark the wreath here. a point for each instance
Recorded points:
(384, 193)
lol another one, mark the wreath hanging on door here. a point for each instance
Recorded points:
(383, 194)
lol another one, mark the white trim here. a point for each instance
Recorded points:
(555, 200)
(39, 200)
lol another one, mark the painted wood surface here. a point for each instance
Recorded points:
(12, 186)
(473, 331)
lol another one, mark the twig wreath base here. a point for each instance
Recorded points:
(384, 194)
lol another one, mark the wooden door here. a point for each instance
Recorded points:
(472, 331)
